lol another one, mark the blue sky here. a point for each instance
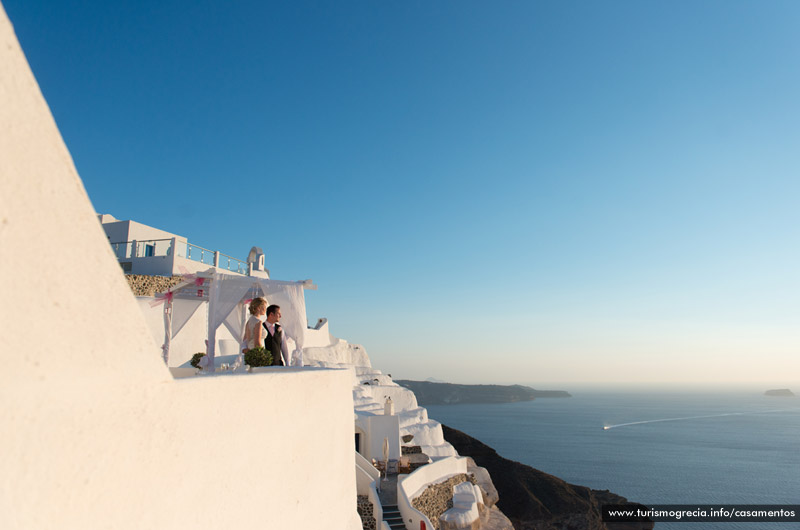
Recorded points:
(549, 193)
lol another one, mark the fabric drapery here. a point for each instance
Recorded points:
(182, 311)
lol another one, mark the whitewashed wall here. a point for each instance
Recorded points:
(96, 433)
(403, 398)
(339, 353)
(319, 337)
(128, 230)
(376, 429)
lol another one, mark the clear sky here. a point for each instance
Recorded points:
(485, 192)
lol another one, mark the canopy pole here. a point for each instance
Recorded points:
(211, 342)
(167, 330)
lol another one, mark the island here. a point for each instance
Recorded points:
(779, 392)
(429, 393)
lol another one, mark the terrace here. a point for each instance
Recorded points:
(166, 255)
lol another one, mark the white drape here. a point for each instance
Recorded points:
(182, 311)
(177, 313)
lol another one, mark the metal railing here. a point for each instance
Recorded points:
(122, 249)
(145, 248)
(164, 247)
(232, 264)
(196, 253)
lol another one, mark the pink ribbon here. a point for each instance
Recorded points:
(189, 277)
(162, 298)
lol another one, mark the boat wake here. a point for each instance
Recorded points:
(608, 427)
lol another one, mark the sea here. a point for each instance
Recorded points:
(653, 447)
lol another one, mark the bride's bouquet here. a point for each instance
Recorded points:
(257, 356)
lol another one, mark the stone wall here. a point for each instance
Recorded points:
(438, 498)
(365, 510)
(144, 285)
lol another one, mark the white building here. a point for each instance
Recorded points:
(142, 249)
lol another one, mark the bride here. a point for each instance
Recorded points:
(253, 330)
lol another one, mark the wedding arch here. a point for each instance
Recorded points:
(228, 297)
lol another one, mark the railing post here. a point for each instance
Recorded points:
(173, 247)
(216, 258)
(134, 249)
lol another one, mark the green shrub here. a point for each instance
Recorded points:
(196, 359)
(258, 357)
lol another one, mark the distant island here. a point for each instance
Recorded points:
(429, 393)
(779, 392)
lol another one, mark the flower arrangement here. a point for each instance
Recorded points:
(258, 356)
(196, 359)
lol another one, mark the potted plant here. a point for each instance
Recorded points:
(258, 356)
(196, 359)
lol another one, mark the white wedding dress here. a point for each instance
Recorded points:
(251, 327)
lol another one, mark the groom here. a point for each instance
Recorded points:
(275, 341)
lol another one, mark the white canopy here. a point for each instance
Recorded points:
(228, 298)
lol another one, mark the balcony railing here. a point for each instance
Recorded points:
(125, 250)
(203, 255)
(232, 264)
(142, 249)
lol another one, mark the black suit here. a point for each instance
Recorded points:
(272, 343)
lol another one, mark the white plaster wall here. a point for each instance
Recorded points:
(376, 377)
(413, 416)
(116, 231)
(153, 265)
(120, 231)
(172, 265)
(319, 338)
(340, 352)
(96, 433)
(140, 232)
(368, 468)
(413, 485)
(102, 455)
(381, 427)
(403, 398)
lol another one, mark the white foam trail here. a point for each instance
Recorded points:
(607, 427)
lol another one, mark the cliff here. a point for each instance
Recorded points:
(429, 393)
(534, 500)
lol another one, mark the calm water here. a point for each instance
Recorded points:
(747, 452)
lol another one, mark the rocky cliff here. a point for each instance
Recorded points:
(534, 500)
